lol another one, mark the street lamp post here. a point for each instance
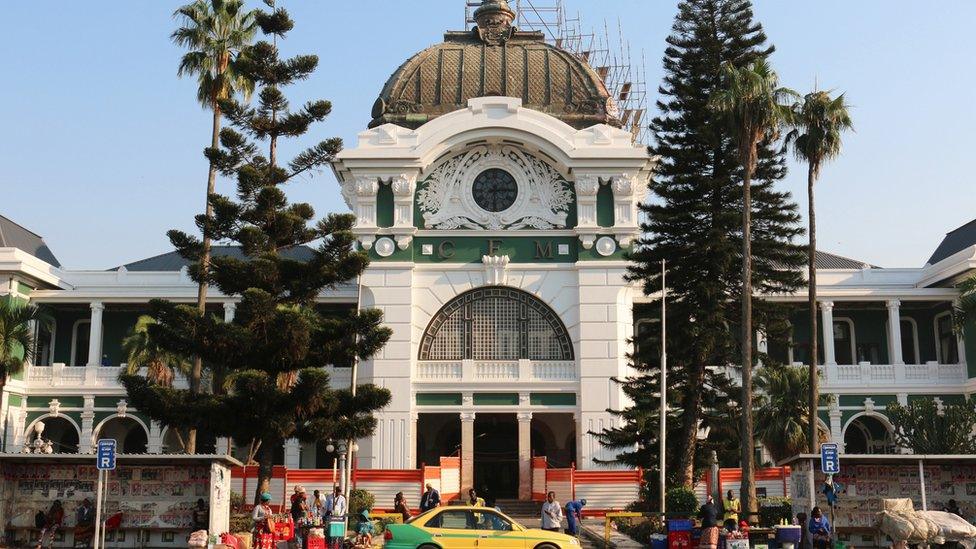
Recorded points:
(662, 438)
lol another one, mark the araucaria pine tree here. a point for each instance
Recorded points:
(694, 223)
(270, 357)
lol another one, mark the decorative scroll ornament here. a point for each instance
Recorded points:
(446, 198)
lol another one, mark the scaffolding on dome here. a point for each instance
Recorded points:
(608, 54)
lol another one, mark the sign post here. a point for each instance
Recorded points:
(104, 462)
(829, 459)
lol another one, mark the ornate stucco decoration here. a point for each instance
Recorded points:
(495, 269)
(447, 202)
(494, 19)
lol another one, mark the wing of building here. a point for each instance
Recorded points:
(496, 196)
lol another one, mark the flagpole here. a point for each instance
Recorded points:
(662, 438)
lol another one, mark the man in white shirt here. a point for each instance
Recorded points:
(552, 513)
(335, 504)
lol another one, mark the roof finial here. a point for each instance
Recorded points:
(494, 19)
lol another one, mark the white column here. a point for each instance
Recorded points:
(525, 455)
(155, 444)
(230, 308)
(412, 461)
(293, 453)
(95, 334)
(836, 427)
(87, 426)
(467, 452)
(827, 317)
(894, 332)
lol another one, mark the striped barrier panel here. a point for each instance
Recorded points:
(607, 490)
(560, 481)
(771, 482)
(539, 467)
(385, 483)
(432, 476)
(450, 478)
(322, 480)
(244, 481)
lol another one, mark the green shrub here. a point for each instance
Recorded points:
(681, 501)
(359, 500)
(774, 510)
(240, 522)
(640, 529)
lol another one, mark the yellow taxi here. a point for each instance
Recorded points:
(469, 527)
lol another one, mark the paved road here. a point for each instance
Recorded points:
(535, 522)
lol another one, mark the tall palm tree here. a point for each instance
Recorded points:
(964, 310)
(818, 122)
(142, 352)
(214, 32)
(17, 321)
(782, 422)
(756, 108)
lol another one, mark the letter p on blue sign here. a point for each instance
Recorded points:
(105, 454)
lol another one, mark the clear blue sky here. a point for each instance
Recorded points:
(101, 142)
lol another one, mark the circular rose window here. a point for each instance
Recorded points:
(494, 190)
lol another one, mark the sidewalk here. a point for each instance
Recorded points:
(593, 529)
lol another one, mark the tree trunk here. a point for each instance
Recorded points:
(748, 488)
(689, 429)
(265, 468)
(812, 297)
(196, 374)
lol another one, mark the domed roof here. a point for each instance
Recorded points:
(494, 58)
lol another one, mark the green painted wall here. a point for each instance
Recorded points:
(24, 288)
(496, 399)
(604, 206)
(384, 206)
(42, 401)
(880, 401)
(470, 249)
(552, 399)
(969, 339)
(65, 321)
(438, 399)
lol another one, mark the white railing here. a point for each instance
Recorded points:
(495, 371)
(106, 377)
(866, 375)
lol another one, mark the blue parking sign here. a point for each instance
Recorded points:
(105, 454)
(829, 459)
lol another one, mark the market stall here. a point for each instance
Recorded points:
(865, 481)
(155, 494)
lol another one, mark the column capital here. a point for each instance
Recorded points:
(893, 303)
(524, 417)
(467, 416)
(826, 305)
(96, 306)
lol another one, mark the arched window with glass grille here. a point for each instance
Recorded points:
(496, 323)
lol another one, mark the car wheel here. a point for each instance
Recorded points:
(546, 546)
(428, 546)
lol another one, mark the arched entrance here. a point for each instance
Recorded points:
(62, 433)
(868, 434)
(130, 436)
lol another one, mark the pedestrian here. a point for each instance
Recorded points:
(317, 505)
(84, 524)
(574, 516)
(708, 513)
(819, 528)
(400, 506)
(552, 513)
(335, 513)
(263, 518)
(53, 521)
(201, 516)
(299, 510)
(487, 496)
(430, 500)
(953, 507)
(364, 532)
(732, 507)
(474, 500)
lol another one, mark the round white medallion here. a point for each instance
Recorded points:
(384, 247)
(605, 245)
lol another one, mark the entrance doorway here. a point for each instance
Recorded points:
(496, 466)
(438, 435)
